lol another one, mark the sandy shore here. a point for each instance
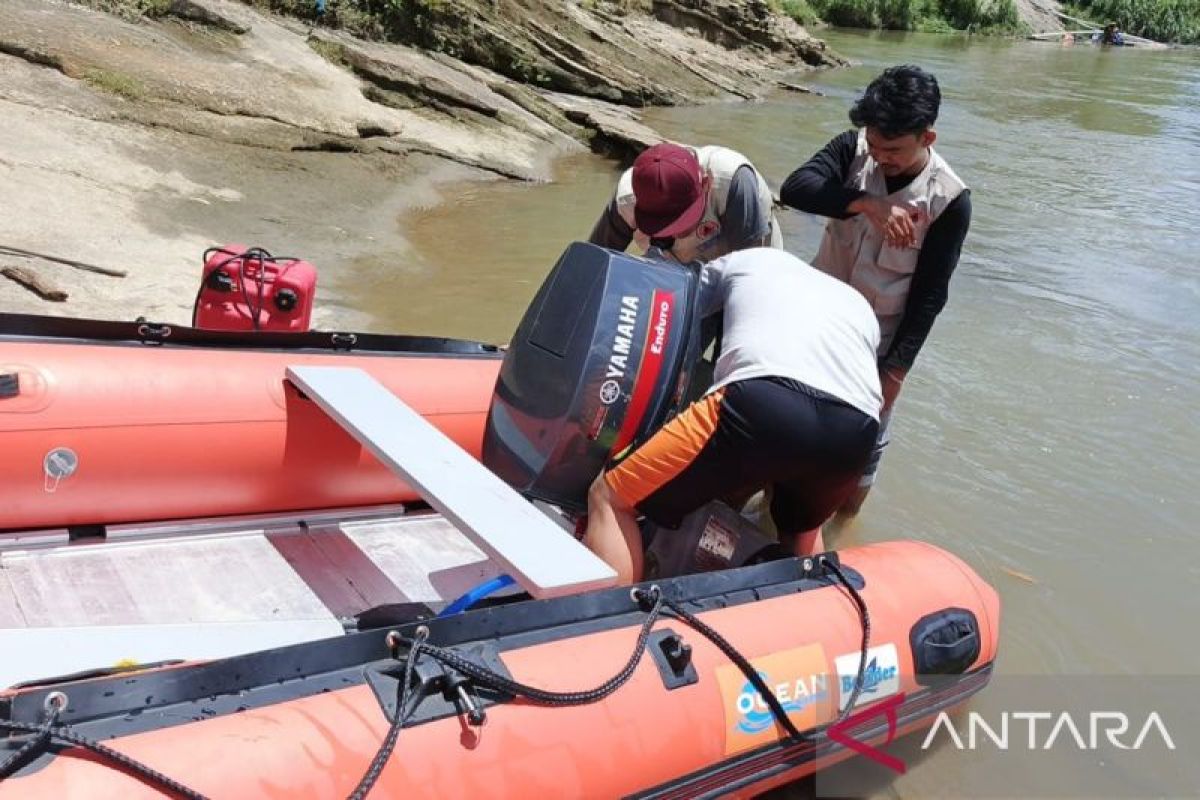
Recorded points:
(145, 183)
(136, 144)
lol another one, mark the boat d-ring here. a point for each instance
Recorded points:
(637, 593)
(55, 702)
(153, 332)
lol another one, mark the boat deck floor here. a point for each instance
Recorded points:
(218, 588)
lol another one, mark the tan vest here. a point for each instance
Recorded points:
(853, 251)
(720, 164)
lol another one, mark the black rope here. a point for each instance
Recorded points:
(486, 677)
(505, 684)
(865, 615)
(756, 680)
(48, 732)
(36, 744)
(124, 762)
(742, 663)
(402, 713)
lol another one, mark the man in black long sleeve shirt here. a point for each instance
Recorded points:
(898, 218)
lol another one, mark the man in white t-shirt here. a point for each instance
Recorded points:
(794, 405)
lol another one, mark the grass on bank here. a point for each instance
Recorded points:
(1161, 20)
(114, 83)
(931, 16)
(129, 9)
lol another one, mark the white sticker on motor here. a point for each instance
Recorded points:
(881, 677)
(718, 541)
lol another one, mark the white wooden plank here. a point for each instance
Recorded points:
(214, 578)
(10, 610)
(428, 558)
(542, 557)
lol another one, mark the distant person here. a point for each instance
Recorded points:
(1112, 35)
(898, 215)
(794, 405)
(694, 202)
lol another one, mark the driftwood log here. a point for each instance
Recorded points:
(797, 87)
(34, 284)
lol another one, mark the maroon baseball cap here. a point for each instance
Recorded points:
(668, 190)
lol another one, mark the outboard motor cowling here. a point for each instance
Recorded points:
(600, 360)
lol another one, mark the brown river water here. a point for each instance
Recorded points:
(1049, 433)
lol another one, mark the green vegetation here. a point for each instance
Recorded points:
(620, 6)
(114, 83)
(330, 51)
(933, 16)
(129, 9)
(410, 21)
(1161, 20)
(798, 10)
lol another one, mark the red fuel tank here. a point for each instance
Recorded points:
(248, 289)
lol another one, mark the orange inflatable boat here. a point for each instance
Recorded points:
(314, 649)
(710, 685)
(109, 422)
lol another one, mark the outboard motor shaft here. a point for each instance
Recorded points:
(600, 360)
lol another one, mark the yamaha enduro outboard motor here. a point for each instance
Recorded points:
(601, 359)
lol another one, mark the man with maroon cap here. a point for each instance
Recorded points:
(694, 203)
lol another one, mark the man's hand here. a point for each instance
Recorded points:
(897, 222)
(890, 379)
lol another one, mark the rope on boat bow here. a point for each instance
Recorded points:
(760, 685)
(865, 616)
(653, 602)
(46, 734)
(650, 600)
(417, 646)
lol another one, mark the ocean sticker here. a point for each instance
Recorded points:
(799, 680)
(881, 677)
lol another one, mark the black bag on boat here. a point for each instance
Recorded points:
(601, 359)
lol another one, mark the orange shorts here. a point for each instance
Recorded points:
(809, 446)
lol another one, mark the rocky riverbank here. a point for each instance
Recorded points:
(138, 132)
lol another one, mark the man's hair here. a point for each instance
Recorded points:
(903, 100)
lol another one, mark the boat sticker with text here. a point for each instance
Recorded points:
(799, 680)
(881, 677)
(653, 360)
(618, 355)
